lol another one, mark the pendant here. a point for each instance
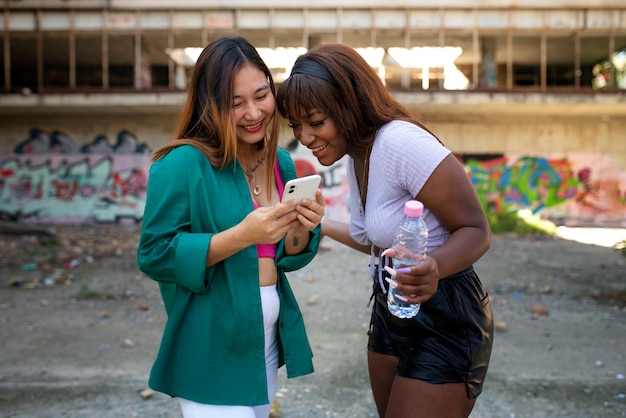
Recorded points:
(256, 190)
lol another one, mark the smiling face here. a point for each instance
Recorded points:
(253, 104)
(318, 132)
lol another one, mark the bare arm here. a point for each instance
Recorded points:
(451, 197)
(310, 214)
(340, 231)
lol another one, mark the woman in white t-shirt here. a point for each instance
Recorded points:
(435, 363)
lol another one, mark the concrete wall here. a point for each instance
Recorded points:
(533, 135)
(466, 122)
(531, 123)
(152, 130)
(474, 134)
(563, 162)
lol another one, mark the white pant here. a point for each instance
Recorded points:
(270, 305)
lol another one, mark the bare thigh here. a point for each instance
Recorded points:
(382, 371)
(397, 396)
(412, 398)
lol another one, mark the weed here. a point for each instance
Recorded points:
(521, 222)
(85, 293)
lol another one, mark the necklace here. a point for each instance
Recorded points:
(363, 182)
(251, 175)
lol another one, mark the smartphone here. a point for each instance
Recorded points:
(302, 187)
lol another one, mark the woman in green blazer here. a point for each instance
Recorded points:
(217, 239)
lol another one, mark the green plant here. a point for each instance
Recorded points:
(86, 293)
(520, 222)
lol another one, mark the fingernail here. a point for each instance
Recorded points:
(403, 270)
(390, 270)
(384, 253)
(402, 298)
(392, 283)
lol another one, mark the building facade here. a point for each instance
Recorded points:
(507, 85)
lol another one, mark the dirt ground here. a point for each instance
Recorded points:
(80, 326)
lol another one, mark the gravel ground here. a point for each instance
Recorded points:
(80, 325)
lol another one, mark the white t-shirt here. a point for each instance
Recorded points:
(401, 161)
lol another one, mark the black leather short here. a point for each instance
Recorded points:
(448, 341)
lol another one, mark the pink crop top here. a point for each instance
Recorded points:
(269, 250)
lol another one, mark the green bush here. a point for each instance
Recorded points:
(521, 222)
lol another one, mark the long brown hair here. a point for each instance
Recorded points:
(205, 121)
(341, 84)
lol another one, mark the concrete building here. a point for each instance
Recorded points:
(492, 78)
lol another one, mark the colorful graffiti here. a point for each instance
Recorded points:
(52, 180)
(577, 189)
(531, 182)
(73, 188)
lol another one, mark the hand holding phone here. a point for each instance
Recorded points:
(302, 187)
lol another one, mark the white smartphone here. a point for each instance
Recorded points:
(302, 187)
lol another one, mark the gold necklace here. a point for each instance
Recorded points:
(363, 183)
(251, 175)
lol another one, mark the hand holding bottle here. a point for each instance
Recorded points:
(408, 249)
(418, 282)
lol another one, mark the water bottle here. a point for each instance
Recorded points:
(410, 245)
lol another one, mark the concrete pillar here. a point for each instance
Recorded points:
(489, 74)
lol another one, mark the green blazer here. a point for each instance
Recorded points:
(213, 347)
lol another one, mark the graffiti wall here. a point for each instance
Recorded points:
(73, 188)
(51, 179)
(577, 189)
(583, 189)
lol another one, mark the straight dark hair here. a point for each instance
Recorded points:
(356, 99)
(205, 121)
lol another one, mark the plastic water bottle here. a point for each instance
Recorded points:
(410, 245)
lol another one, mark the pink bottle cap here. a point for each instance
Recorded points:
(413, 208)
